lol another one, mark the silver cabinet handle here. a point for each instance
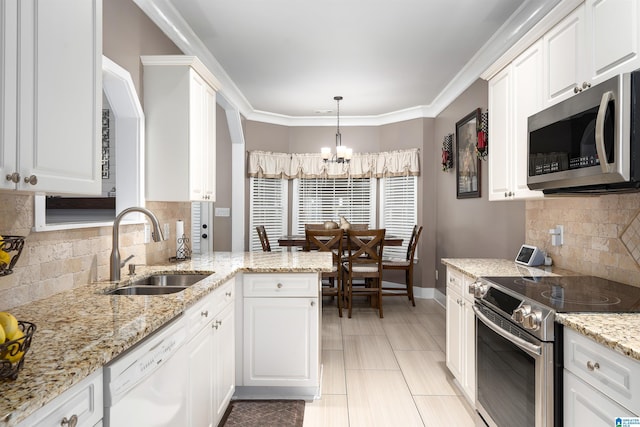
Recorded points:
(204, 313)
(592, 366)
(600, 148)
(13, 177)
(586, 85)
(576, 89)
(313, 303)
(219, 322)
(31, 179)
(71, 422)
(228, 293)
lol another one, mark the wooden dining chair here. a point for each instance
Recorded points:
(264, 239)
(329, 241)
(405, 265)
(364, 261)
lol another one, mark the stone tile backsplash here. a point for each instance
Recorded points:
(599, 234)
(54, 261)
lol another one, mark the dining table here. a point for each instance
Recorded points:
(299, 240)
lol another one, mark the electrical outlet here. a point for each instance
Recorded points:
(436, 275)
(147, 233)
(165, 231)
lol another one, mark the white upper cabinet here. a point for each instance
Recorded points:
(595, 42)
(51, 108)
(514, 94)
(180, 110)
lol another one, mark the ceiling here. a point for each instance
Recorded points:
(282, 60)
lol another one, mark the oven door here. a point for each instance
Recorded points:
(514, 373)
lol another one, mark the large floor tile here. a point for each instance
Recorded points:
(333, 381)
(363, 322)
(331, 332)
(442, 342)
(436, 323)
(368, 352)
(426, 372)
(409, 336)
(438, 411)
(380, 398)
(330, 411)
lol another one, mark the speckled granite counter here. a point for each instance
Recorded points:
(620, 332)
(81, 330)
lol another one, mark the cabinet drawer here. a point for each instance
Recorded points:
(613, 374)
(224, 296)
(281, 285)
(200, 314)
(459, 282)
(84, 400)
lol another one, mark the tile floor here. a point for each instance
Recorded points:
(387, 372)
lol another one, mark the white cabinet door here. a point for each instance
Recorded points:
(613, 38)
(200, 390)
(58, 95)
(585, 406)
(8, 91)
(454, 332)
(469, 346)
(224, 376)
(565, 57)
(500, 118)
(514, 94)
(281, 343)
(527, 85)
(180, 106)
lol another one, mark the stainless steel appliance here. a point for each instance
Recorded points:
(518, 343)
(588, 143)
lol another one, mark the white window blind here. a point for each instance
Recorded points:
(398, 211)
(316, 200)
(268, 207)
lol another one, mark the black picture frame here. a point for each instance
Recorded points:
(467, 161)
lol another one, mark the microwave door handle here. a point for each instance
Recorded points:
(600, 148)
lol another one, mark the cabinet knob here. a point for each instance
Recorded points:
(71, 422)
(586, 85)
(576, 89)
(228, 294)
(279, 285)
(313, 303)
(13, 177)
(215, 325)
(31, 179)
(592, 366)
(204, 313)
(218, 322)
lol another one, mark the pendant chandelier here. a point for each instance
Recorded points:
(342, 154)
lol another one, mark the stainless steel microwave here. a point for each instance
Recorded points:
(588, 143)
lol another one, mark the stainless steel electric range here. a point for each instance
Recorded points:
(519, 344)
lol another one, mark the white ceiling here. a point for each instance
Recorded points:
(284, 60)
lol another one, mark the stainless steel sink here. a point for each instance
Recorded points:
(146, 290)
(170, 279)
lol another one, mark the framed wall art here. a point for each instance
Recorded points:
(467, 161)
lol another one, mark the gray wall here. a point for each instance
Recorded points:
(222, 225)
(471, 228)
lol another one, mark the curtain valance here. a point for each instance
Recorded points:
(310, 165)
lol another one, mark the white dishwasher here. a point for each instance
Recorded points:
(147, 385)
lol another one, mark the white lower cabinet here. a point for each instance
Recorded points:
(461, 333)
(600, 385)
(82, 404)
(211, 349)
(281, 324)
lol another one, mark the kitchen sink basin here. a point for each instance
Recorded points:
(146, 290)
(169, 279)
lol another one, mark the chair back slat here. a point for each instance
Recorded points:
(413, 242)
(365, 247)
(325, 241)
(264, 239)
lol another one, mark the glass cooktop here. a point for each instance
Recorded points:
(574, 294)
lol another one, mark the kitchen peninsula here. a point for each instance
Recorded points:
(81, 330)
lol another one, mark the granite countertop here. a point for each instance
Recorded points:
(80, 330)
(620, 332)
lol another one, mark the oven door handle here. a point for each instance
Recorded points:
(522, 344)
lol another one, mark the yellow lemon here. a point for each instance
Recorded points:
(5, 258)
(10, 325)
(3, 336)
(13, 353)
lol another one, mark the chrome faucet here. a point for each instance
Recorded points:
(115, 264)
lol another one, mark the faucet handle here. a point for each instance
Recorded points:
(122, 264)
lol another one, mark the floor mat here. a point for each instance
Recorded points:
(264, 413)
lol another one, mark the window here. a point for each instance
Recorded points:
(317, 200)
(398, 211)
(268, 207)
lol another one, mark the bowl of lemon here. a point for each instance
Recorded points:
(10, 250)
(15, 339)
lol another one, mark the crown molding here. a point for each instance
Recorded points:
(524, 27)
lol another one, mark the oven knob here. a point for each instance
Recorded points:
(533, 321)
(520, 313)
(478, 289)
